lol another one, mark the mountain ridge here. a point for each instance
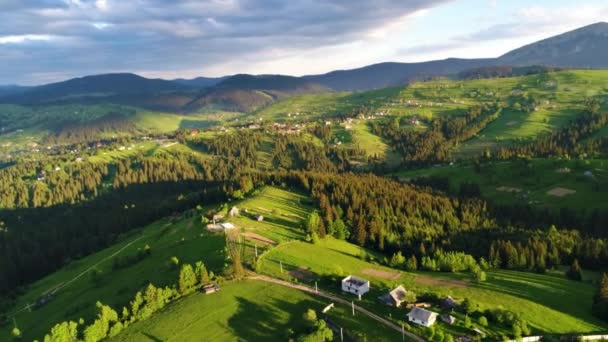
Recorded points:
(585, 47)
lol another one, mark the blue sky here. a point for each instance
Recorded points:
(50, 40)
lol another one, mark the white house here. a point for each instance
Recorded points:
(394, 298)
(234, 212)
(227, 225)
(355, 285)
(422, 316)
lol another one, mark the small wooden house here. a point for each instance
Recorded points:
(449, 319)
(210, 288)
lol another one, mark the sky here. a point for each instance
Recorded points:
(44, 41)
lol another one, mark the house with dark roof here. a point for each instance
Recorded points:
(394, 297)
(355, 285)
(449, 319)
(448, 303)
(422, 316)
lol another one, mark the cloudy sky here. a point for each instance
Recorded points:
(50, 40)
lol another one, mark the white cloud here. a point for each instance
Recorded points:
(101, 4)
(16, 39)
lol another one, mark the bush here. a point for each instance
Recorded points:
(483, 321)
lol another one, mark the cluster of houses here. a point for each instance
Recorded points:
(397, 297)
(226, 225)
(287, 129)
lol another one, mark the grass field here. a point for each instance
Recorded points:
(245, 311)
(315, 106)
(559, 98)
(372, 144)
(283, 211)
(169, 122)
(549, 303)
(530, 182)
(186, 239)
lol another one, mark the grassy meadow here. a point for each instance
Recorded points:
(530, 182)
(78, 290)
(242, 310)
(246, 311)
(283, 211)
(549, 303)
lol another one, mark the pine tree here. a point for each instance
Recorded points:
(412, 264)
(187, 279)
(575, 272)
(600, 300)
(201, 272)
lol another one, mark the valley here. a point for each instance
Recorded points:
(449, 200)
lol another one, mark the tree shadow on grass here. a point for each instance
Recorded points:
(152, 337)
(270, 321)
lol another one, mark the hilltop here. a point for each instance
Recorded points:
(586, 47)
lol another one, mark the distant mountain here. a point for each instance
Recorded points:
(392, 74)
(586, 47)
(97, 86)
(271, 82)
(245, 93)
(582, 48)
(6, 90)
(200, 82)
(236, 93)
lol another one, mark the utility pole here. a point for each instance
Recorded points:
(353, 306)
(403, 331)
(316, 288)
(341, 335)
(281, 263)
(256, 250)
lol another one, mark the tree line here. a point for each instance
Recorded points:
(443, 134)
(110, 322)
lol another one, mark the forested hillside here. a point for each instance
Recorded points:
(437, 176)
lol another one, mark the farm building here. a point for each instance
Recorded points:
(448, 303)
(234, 211)
(227, 225)
(210, 288)
(217, 217)
(394, 297)
(449, 319)
(355, 285)
(422, 316)
(419, 305)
